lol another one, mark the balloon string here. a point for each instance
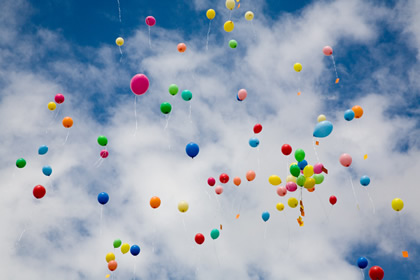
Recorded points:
(150, 44)
(316, 154)
(189, 116)
(401, 233)
(135, 113)
(253, 31)
(102, 207)
(121, 54)
(215, 252)
(335, 68)
(134, 270)
(322, 205)
(167, 122)
(53, 119)
(230, 14)
(67, 137)
(354, 192)
(119, 10)
(371, 201)
(363, 274)
(208, 34)
(265, 230)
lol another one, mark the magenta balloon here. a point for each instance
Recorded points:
(218, 189)
(139, 84)
(291, 186)
(104, 154)
(211, 181)
(318, 168)
(150, 21)
(345, 160)
(242, 94)
(59, 98)
(327, 50)
(281, 191)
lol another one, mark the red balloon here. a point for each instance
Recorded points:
(333, 200)
(257, 128)
(286, 149)
(199, 238)
(224, 178)
(59, 98)
(112, 265)
(211, 181)
(376, 273)
(39, 191)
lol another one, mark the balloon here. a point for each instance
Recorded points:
(327, 50)
(323, 129)
(173, 89)
(299, 155)
(67, 122)
(249, 15)
(294, 170)
(119, 41)
(103, 198)
(155, 202)
(186, 95)
(274, 180)
(199, 238)
(397, 204)
(210, 14)
(364, 180)
(318, 168)
(139, 84)
(237, 97)
(233, 44)
(150, 21)
(376, 273)
(102, 140)
(250, 175)
(319, 178)
(109, 257)
(237, 181)
(165, 107)
(358, 111)
(59, 98)
(254, 142)
(291, 186)
(282, 191)
(345, 160)
(215, 233)
(39, 191)
(280, 206)
(297, 67)
(112, 265)
(311, 189)
(309, 183)
(228, 26)
(211, 181)
(290, 178)
(300, 180)
(47, 170)
(218, 189)
(192, 149)
(117, 243)
(242, 94)
(52, 106)
(292, 202)
(308, 171)
(181, 47)
(333, 200)
(265, 216)
(230, 4)
(321, 118)
(135, 250)
(257, 128)
(286, 149)
(20, 163)
(104, 154)
(362, 262)
(349, 115)
(183, 206)
(224, 178)
(42, 150)
(302, 164)
(125, 248)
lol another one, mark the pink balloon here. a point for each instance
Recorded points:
(318, 168)
(345, 160)
(59, 98)
(242, 94)
(281, 191)
(327, 50)
(211, 181)
(104, 154)
(218, 189)
(150, 21)
(139, 84)
(291, 186)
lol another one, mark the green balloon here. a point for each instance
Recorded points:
(20, 163)
(117, 243)
(165, 108)
(299, 154)
(319, 178)
(186, 95)
(294, 170)
(233, 44)
(215, 233)
(301, 180)
(102, 140)
(173, 89)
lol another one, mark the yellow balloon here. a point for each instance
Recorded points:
(321, 118)
(119, 41)
(249, 15)
(397, 204)
(211, 14)
(274, 180)
(52, 106)
(292, 202)
(109, 257)
(297, 67)
(125, 248)
(183, 206)
(309, 183)
(228, 26)
(290, 178)
(308, 171)
(230, 4)
(280, 206)
(107, 276)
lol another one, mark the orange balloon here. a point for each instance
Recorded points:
(311, 189)
(112, 265)
(358, 111)
(155, 202)
(237, 181)
(182, 47)
(250, 175)
(67, 122)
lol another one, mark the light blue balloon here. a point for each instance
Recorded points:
(47, 170)
(323, 129)
(254, 142)
(42, 150)
(265, 216)
(349, 115)
(364, 181)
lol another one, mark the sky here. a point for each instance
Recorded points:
(68, 47)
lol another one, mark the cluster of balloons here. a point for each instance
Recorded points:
(103, 141)
(173, 89)
(355, 112)
(230, 5)
(110, 257)
(59, 98)
(199, 237)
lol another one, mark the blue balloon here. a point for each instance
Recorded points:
(362, 262)
(348, 115)
(302, 164)
(42, 150)
(254, 142)
(364, 180)
(265, 216)
(323, 129)
(47, 170)
(135, 250)
(192, 149)
(103, 198)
